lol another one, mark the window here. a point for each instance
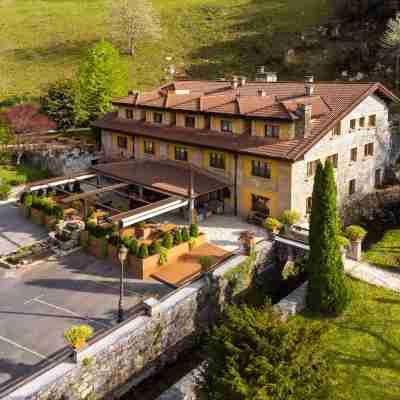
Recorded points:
(372, 120)
(217, 160)
(261, 169)
(353, 124)
(190, 122)
(312, 167)
(334, 160)
(260, 204)
(378, 178)
(361, 122)
(122, 142)
(308, 205)
(129, 113)
(148, 147)
(368, 149)
(272, 131)
(181, 153)
(157, 118)
(352, 187)
(353, 154)
(226, 125)
(337, 130)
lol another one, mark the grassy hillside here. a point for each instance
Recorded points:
(42, 40)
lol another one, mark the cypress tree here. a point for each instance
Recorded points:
(327, 291)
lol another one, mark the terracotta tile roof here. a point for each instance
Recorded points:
(331, 101)
(169, 176)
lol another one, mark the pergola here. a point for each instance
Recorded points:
(174, 185)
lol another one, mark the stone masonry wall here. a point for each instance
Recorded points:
(141, 347)
(363, 170)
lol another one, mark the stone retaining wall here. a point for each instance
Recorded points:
(141, 347)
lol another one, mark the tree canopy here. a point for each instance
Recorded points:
(254, 356)
(101, 76)
(327, 291)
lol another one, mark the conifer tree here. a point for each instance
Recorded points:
(327, 291)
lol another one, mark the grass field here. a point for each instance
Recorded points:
(42, 40)
(364, 344)
(386, 253)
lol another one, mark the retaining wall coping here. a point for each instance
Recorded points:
(228, 265)
(38, 384)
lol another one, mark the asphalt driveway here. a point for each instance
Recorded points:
(36, 308)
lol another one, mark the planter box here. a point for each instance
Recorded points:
(84, 239)
(112, 253)
(25, 211)
(37, 216)
(143, 268)
(50, 221)
(98, 247)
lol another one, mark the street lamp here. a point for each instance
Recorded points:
(122, 256)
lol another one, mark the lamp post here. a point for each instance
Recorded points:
(122, 256)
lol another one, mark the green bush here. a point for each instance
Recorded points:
(194, 230)
(98, 231)
(185, 235)
(133, 247)
(5, 190)
(168, 241)
(252, 354)
(143, 251)
(58, 212)
(76, 336)
(155, 247)
(272, 224)
(26, 199)
(343, 241)
(178, 237)
(355, 232)
(290, 217)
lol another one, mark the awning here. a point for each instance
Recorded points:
(166, 176)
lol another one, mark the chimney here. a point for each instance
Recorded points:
(309, 85)
(243, 81)
(235, 82)
(304, 124)
(261, 92)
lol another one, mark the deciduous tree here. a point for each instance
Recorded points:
(135, 20)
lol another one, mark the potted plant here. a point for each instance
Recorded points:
(248, 241)
(344, 244)
(289, 218)
(76, 336)
(273, 226)
(163, 256)
(167, 241)
(194, 230)
(356, 234)
(155, 248)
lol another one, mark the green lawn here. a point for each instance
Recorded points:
(364, 344)
(42, 40)
(386, 253)
(19, 174)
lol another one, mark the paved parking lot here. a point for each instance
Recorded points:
(36, 308)
(16, 231)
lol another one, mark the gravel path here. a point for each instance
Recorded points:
(375, 276)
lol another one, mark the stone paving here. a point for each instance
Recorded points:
(221, 230)
(373, 275)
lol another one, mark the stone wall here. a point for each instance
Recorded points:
(61, 162)
(141, 347)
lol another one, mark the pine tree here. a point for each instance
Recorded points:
(327, 291)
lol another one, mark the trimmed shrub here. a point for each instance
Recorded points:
(5, 190)
(290, 217)
(178, 237)
(143, 251)
(27, 199)
(194, 230)
(343, 241)
(185, 235)
(168, 241)
(133, 247)
(355, 232)
(155, 247)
